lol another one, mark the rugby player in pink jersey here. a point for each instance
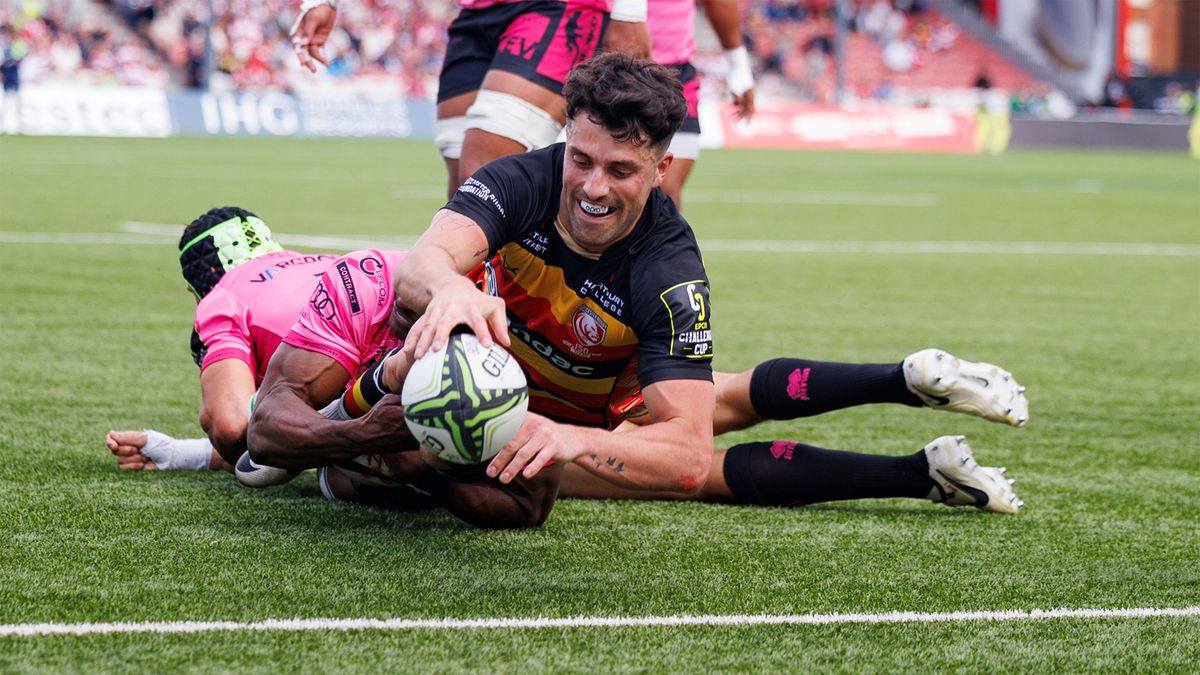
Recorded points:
(500, 89)
(673, 32)
(249, 291)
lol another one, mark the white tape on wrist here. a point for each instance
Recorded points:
(336, 411)
(740, 78)
(310, 4)
(177, 454)
(632, 11)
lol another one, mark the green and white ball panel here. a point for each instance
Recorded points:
(465, 403)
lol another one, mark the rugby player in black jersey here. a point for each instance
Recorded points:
(590, 276)
(599, 285)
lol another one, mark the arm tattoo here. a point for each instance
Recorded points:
(448, 221)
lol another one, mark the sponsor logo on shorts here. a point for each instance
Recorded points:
(524, 35)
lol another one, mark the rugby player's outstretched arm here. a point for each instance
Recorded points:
(429, 282)
(225, 390)
(288, 432)
(673, 452)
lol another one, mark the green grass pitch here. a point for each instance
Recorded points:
(93, 336)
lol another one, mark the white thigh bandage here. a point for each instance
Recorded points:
(685, 145)
(448, 136)
(514, 118)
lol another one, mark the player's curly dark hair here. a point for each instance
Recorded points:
(201, 266)
(634, 99)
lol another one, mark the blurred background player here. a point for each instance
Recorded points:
(500, 89)
(249, 291)
(12, 52)
(673, 33)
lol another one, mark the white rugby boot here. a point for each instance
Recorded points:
(962, 482)
(252, 474)
(945, 382)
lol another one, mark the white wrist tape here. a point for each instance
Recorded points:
(309, 4)
(632, 11)
(177, 454)
(335, 411)
(740, 78)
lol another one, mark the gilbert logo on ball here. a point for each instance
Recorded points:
(465, 402)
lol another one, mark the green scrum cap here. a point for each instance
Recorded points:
(218, 241)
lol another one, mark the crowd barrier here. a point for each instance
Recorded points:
(80, 110)
(69, 110)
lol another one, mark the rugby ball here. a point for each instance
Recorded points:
(465, 402)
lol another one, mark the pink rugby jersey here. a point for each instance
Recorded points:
(672, 25)
(253, 306)
(346, 316)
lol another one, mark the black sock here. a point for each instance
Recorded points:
(785, 389)
(783, 473)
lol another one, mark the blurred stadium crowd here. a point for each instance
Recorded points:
(896, 50)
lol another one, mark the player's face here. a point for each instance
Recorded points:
(606, 184)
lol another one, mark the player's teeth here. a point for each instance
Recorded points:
(594, 209)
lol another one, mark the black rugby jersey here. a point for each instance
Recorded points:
(588, 333)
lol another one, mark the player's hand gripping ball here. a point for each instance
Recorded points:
(465, 402)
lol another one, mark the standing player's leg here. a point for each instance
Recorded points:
(469, 54)
(788, 473)
(785, 389)
(516, 104)
(685, 146)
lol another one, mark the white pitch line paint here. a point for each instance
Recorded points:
(821, 198)
(348, 242)
(138, 233)
(290, 625)
(965, 247)
(812, 197)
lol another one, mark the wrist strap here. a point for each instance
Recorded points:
(632, 11)
(310, 4)
(740, 78)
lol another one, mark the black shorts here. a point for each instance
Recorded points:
(540, 41)
(686, 73)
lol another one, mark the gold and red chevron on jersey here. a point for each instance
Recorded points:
(578, 357)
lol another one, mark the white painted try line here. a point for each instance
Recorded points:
(138, 233)
(953, 247)
(718, 196)
(290, 625)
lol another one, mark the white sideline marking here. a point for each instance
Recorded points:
(813, 197)
(988, 247)
(829, 198)
(27, 629)
(139, 233)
